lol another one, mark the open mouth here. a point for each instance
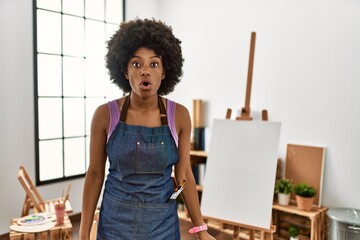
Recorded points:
(145, 84)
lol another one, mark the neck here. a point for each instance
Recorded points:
(147, 103)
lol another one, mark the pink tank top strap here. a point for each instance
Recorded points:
(114, 116)
(170, 112)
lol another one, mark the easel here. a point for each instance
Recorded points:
(245, 111)
(262, 233)
(33, 199)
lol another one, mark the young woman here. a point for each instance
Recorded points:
(143, 135)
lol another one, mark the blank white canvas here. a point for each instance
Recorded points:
(240, 172)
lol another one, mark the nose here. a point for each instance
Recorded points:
(144, 73)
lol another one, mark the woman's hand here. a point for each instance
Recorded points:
(204, 235)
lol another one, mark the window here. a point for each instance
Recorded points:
(70, 80)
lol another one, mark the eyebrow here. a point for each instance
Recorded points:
(154, 56)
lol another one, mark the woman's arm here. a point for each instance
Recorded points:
(183, 170)
(95, 174)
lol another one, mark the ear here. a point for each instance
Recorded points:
(163, 76)
(126, 75)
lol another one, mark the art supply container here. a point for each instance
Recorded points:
(60, 213)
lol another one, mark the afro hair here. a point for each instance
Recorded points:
(151, 34)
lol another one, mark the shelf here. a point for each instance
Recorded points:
(198, 157)
(312, 224)
(295, 210)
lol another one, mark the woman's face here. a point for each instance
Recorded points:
(145, 72)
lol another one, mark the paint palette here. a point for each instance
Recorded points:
(36, 219)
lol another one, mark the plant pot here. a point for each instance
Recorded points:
(304, 203)
(294, 238)
(283, 199)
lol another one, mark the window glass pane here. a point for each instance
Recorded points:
(74, 117)
(50, 118)
(74, 156)
(75, 7)
(91, 105)
(114, 11)
(112, 90)
(49, 75)
(95, 74)
(73, 36)
(110, 30)
(95, 39)
(87, 139)
(51, 160)
(48, 32)
(94, 9)
(54, 5)
(73, 80)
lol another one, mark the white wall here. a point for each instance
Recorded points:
(142, 9)
(306, 75)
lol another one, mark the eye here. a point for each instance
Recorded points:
(136, 64)
(154, 64)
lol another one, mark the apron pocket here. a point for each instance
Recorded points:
(150, 157)
(117, 219)
(158, 220)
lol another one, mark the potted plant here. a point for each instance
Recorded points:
(293, 232)
(283, 188)
(304, 196)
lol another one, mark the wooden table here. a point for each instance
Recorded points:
(58, 232)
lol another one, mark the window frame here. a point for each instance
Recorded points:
(37, 97)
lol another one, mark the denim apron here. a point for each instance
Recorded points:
(136, 201)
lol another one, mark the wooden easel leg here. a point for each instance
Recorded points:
(26, 206)
(228, 114)
(264, 115)
(236, 233)
(251, 234)
(268, 236)
(262, 235)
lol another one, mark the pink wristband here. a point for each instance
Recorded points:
(198, 229)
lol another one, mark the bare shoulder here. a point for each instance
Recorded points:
(181, 109)
(101, 117)
(182, 117)
(102, 111)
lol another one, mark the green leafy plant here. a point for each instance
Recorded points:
(304, 190)
(293, 231)
(284, 185)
